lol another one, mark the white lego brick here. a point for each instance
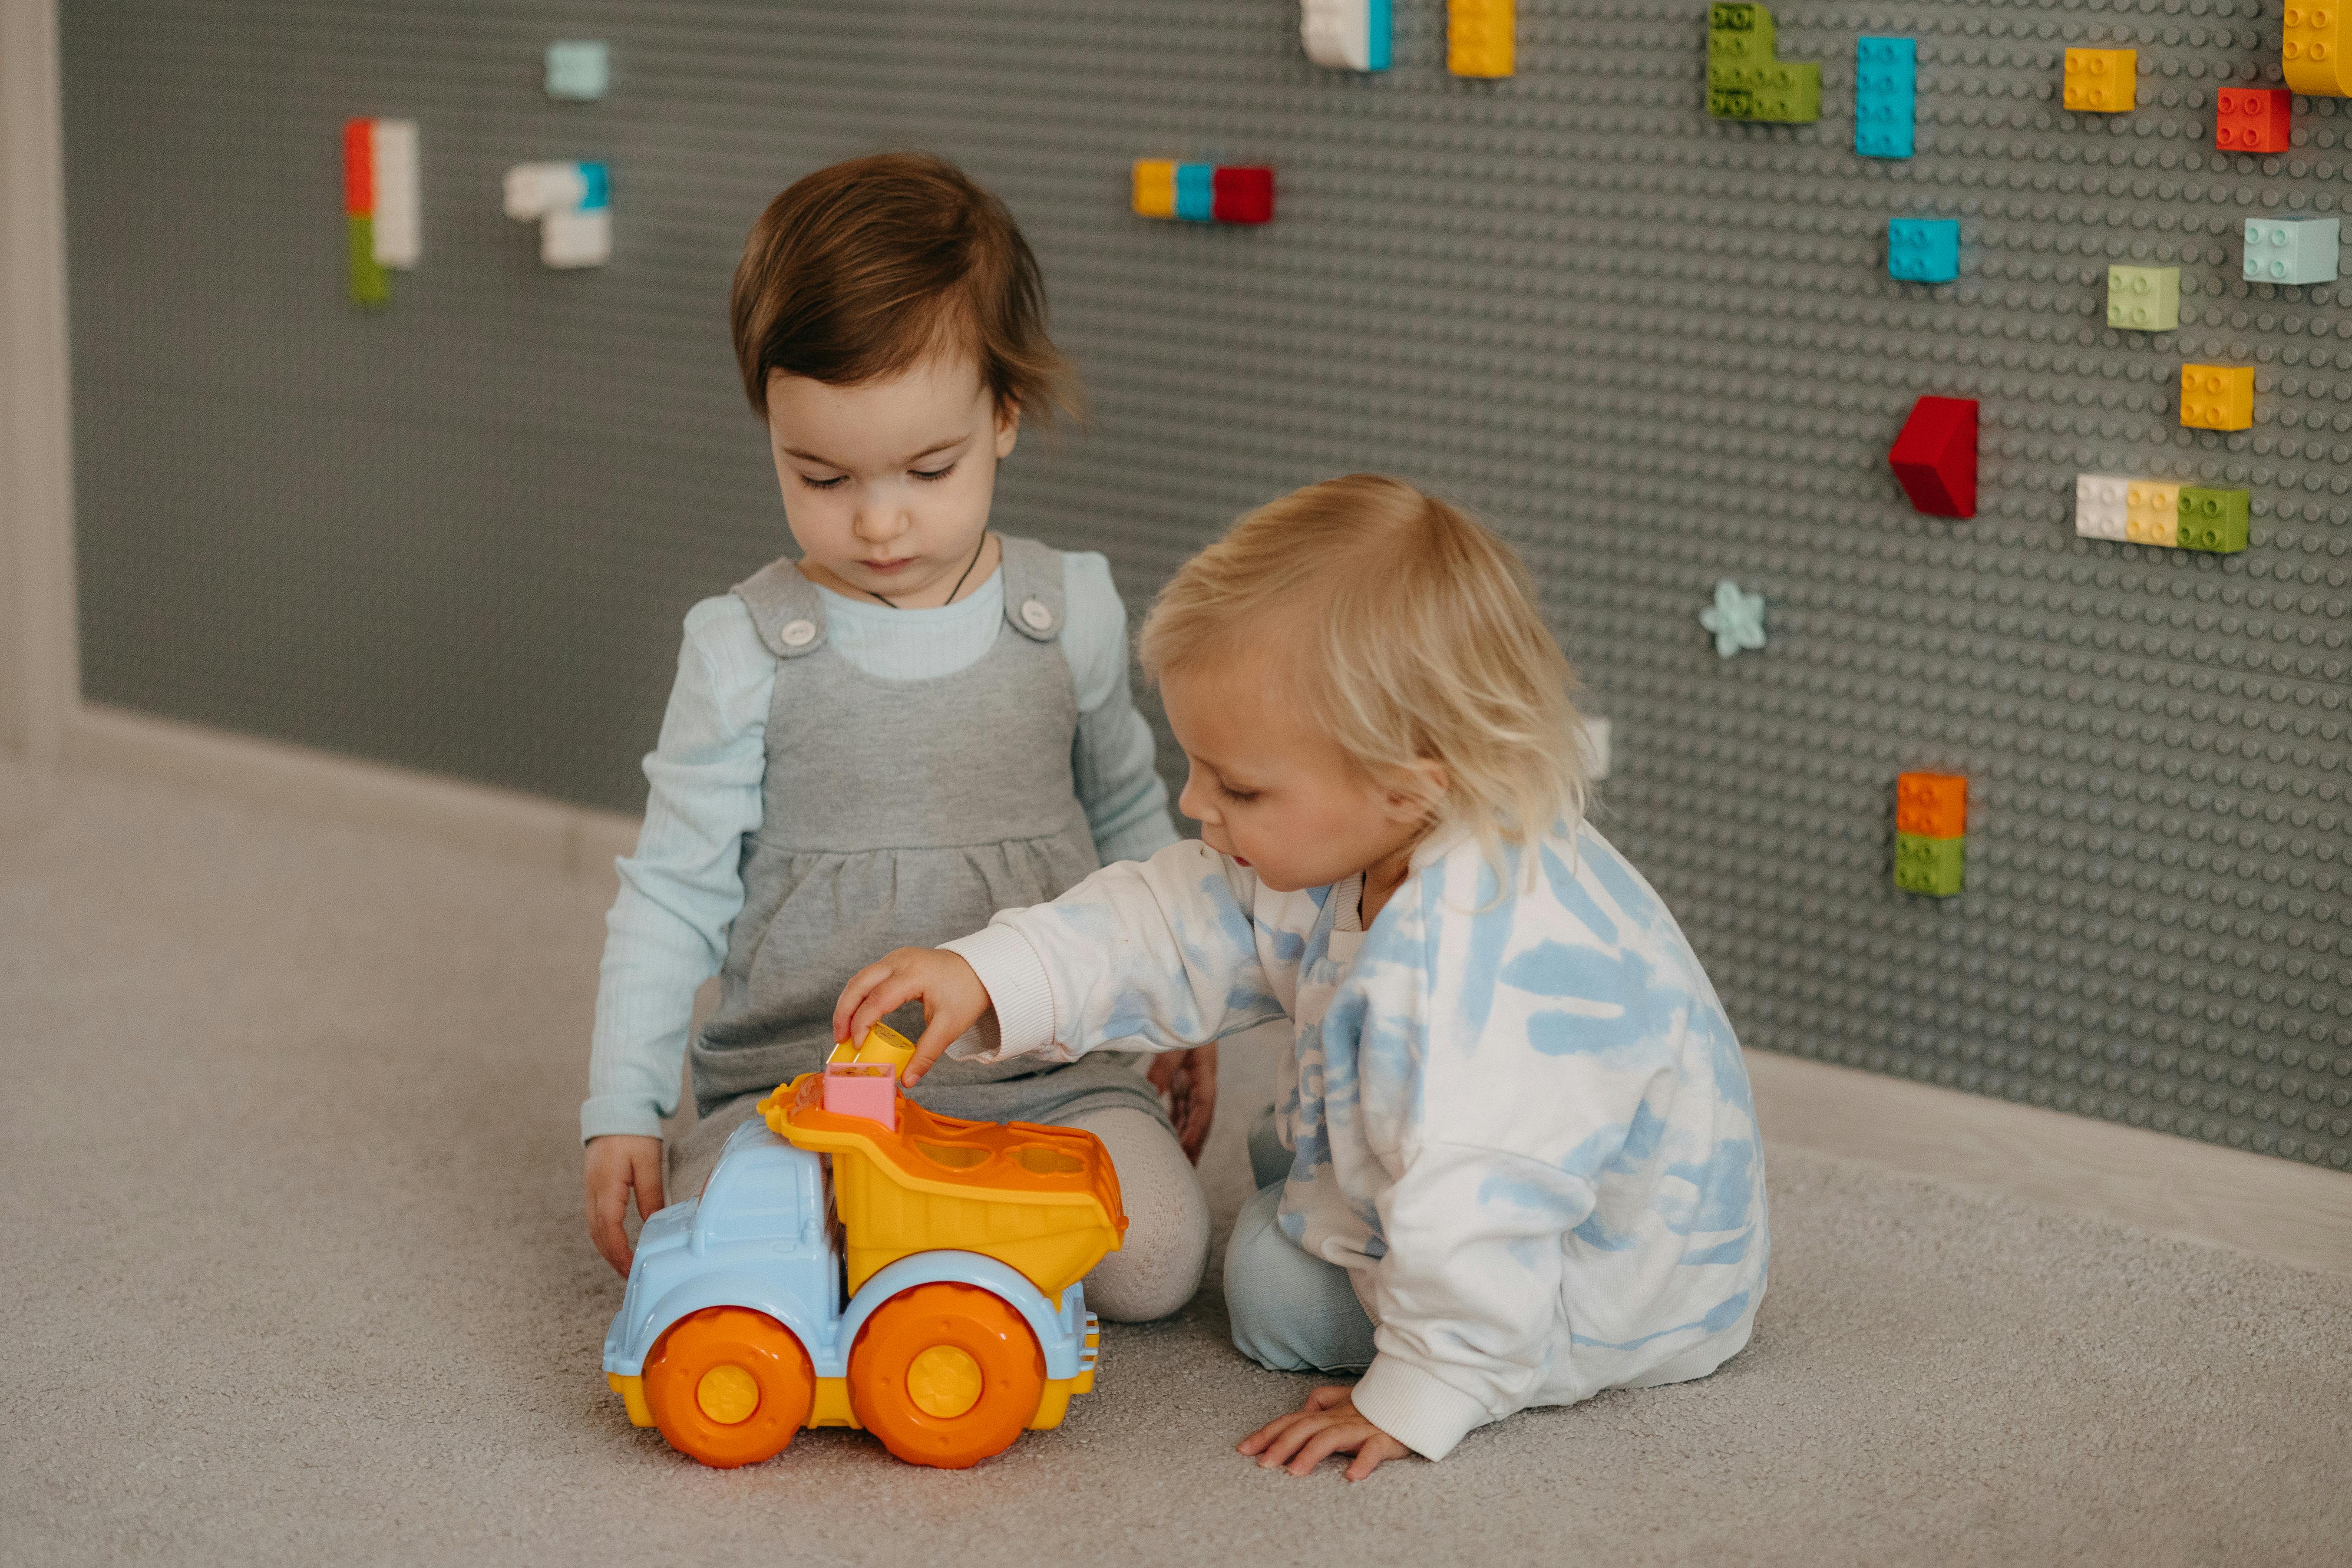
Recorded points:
(2102, 505)
(570, 239)
(534, 189)
(1339, 34)
(399, 232)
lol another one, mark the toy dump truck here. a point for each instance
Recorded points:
(855, 1260)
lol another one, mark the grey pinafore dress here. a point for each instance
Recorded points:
(901, 814)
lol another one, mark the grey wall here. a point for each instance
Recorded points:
(1654, 348)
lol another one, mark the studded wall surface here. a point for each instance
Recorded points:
(1656, 349)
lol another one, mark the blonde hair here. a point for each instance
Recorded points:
(1422, 644)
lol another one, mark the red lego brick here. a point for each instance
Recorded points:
(1936, 457)
(358, 168)
(2253, 118)
(1932, 805)
(1243, 195)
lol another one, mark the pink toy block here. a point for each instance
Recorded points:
(863, 1089)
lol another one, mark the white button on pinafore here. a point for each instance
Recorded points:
(798, 633)
(1036, 615)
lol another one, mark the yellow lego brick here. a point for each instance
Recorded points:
(2101, 81)
(1480, 36)
(2217, 396)
(2152, 512)
(1155, 187)
(2311, 48)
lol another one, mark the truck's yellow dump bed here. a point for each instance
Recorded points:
(1042, 1200)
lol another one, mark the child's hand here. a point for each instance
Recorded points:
(1326, 1425)
(1189, 1079)
(618, 1161)
(953, 1001)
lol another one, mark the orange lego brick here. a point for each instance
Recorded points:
(2101, 81)
(2217, 396)
(1931, 806)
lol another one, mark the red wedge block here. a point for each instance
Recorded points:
(1936, 457)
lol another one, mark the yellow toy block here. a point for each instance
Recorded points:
(2152, 512)
(1155, 187)
(2311, 49)
(2101, 81)
(1480, 36)
(2217, 396)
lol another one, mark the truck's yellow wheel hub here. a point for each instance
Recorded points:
(943, 1382)
(727, 1393)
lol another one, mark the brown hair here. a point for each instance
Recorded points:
(861, 269)
(1410, 633)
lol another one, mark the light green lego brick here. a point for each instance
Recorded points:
(2144, 299)
(370, 285)
(1932, 865)
(2212, 519)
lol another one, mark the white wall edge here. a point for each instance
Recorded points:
(570, 840)
(40, 675)
(2158, 1181)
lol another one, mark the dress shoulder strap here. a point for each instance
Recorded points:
(785, 609)
(1032, 589)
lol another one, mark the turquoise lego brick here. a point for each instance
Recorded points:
(1196, 199)
(1886, 95)
(1924, 250)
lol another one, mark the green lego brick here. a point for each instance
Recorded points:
(1740, 27)
(1931, 866)
(1784, 91)
(370, 285)
(2212, 519)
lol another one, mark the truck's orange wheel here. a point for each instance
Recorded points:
(729, 1386)
(946, 1375)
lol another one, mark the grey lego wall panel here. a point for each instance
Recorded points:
(1653, 348)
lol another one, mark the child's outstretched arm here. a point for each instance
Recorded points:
(1154, 955)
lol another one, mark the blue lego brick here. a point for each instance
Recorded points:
(579, 69)
(1924, 250)
(1885, 96)
(1196, 198)
(596, 188)
(2291, 249)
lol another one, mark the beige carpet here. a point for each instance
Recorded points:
(294, 1273)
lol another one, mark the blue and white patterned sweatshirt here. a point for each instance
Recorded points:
(1519, 1116)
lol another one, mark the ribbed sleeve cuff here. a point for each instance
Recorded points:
(1018, 987)
(611, 1113)
(1418, 1409)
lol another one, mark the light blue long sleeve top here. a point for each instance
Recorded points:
(1518, 1115)
(666, 932)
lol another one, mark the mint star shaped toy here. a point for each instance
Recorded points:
(1737, 620)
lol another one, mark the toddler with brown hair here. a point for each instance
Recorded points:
(918, 722)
